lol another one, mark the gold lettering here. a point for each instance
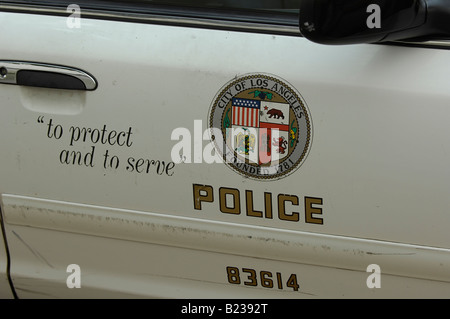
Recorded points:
(230, 203)
(282, 198)
(199, 198)
(268, 205)
(249, 202)
(310, 210)
(223, 192)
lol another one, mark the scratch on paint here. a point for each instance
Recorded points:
(211, 282)
(389, 254)
(35, 253)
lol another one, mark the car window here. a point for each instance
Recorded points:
(275, 5)
(278, 6)
(269, 16)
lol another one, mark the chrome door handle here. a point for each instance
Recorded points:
(45, 76)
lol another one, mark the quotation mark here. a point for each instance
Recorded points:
(40, 119)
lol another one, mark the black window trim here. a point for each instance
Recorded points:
(232, 20)
(228, 20)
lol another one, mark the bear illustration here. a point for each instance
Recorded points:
(275, 113)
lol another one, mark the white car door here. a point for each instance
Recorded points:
(153, 150)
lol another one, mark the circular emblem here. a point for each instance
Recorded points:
(261, 126)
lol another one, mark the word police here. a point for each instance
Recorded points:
(230, 203)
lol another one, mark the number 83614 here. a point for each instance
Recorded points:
(266, 279)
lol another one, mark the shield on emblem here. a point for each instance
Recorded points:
(274, 131)
(245, 125)
(260, 130)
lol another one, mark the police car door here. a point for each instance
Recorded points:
(155, 149)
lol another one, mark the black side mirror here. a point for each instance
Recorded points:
(369, 21)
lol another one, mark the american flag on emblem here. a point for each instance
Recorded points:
(246, 112)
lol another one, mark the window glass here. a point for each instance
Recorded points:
(270, 13)
(275, 6)
(288, 6)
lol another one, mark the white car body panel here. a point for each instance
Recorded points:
(379, 160)
(5, 289)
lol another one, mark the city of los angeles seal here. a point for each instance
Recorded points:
(261, 126)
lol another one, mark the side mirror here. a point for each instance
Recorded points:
(369, 21)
